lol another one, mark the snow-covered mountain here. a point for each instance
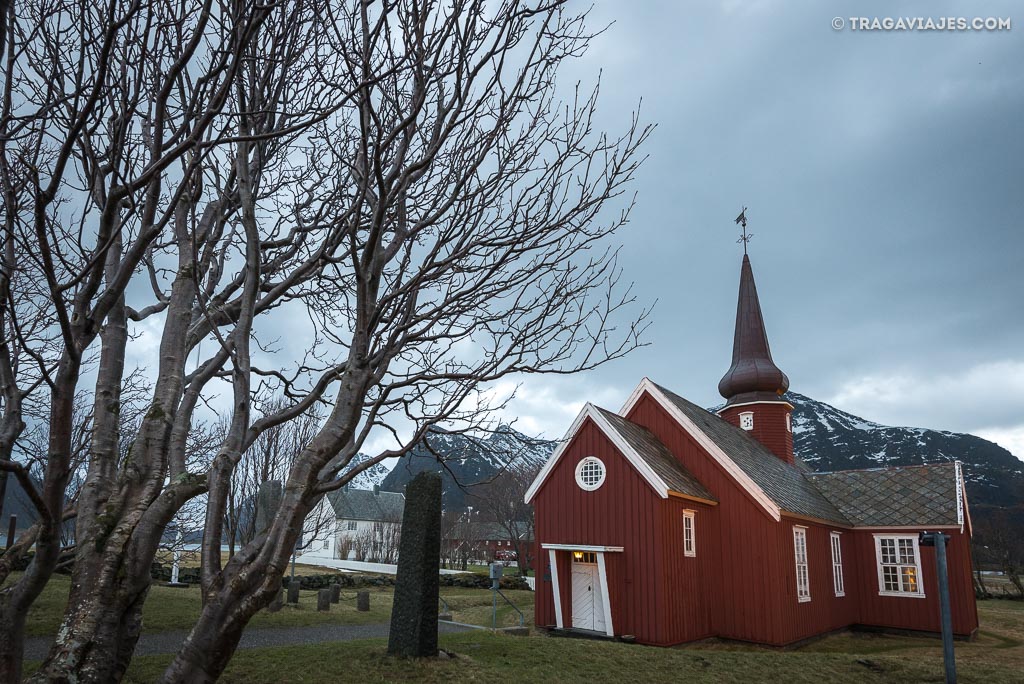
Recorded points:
(367, 479)
(829, 439)
(464, 461)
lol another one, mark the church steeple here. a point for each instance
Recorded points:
(753, 386)
(753, 375)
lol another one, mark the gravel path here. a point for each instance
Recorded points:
(169, 642)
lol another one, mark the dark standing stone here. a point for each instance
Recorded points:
(293, 592)
(363, 601)
(268, 500)
(277, 603)
(335, 593)
(414, 613)
(11, 529)
(323, 600)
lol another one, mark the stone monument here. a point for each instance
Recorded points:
(414, 614)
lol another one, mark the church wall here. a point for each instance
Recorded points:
(899, 612)
(825, 611)
(746, 564)
(624, 511)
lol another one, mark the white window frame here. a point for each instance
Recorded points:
(803, 575)
(689, 535)
(900, 566)
(351, 525)
(750, 415)
(585, 486)
(789, 422)
(837, 564)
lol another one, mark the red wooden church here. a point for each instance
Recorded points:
(669, 524)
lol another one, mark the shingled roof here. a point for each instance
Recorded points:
(880, 497)
(783, 483)
(364, 504)
(657, 456)
(913, 495)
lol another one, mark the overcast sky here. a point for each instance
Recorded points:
(883, 174)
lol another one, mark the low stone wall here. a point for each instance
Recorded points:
(162, 573)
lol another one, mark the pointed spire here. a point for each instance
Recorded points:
(753, 375)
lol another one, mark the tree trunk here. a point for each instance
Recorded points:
(122, 515)
(16, 599)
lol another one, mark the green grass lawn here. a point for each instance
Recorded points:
(996, 657)
(177, 609)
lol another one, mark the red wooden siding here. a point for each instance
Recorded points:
(899, 612)
(740, 536)
(769, 426)
(742, 582)
(622, 512)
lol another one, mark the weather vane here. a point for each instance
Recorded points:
(745, 237)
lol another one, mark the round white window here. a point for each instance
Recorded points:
(590, 473)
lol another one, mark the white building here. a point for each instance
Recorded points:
(355, 524)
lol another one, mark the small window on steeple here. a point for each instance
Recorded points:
(747, 420)
(789, 422)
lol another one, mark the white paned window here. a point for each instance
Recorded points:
(590, 473)
(789, 422)
(689, 546)
(353, 525)
(803, 579)
(899, 565)
(837, 565)
(747, 420)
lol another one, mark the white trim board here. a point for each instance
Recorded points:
(723, 460)
(602, 576)
(582, 547)
(554, 585)
(590, 411)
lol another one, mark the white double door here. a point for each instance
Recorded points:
(587, 604)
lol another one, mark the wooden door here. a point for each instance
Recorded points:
(587, 607)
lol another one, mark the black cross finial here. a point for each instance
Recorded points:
(745, 237)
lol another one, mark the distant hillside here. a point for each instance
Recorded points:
(829, 439)
(467, 461)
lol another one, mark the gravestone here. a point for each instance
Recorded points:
(323, 600)
(363, 601)
(293, 592)
(335, 593)
(414, 613)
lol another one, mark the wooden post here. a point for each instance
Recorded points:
(293, 592)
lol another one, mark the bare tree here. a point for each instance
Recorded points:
(110, 111)
(996, 545)
(404, 175)
(502, 500)
(268, 458)
(474, 249)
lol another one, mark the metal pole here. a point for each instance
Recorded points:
(11, 528)
(944, 609)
